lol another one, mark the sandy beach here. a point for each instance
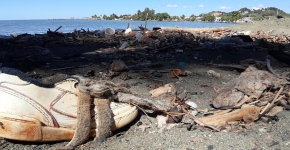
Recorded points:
(84, 58)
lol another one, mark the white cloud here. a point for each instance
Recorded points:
(224, 7)
(260, 6)
(171, 6)
(187, 7)
(201, 6)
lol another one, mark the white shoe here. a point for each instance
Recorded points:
(34, 111)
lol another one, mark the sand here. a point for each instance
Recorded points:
(277, 26)
(259, 135)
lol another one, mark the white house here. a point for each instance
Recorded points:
(218, 19)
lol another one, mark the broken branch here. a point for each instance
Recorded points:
(132, 99)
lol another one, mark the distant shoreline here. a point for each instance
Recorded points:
(118, 20)
(41, 26)
(138, 20)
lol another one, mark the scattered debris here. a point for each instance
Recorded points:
(255, 95)
(197, 139)
(176, 73)
(144, 127)
(167, 88)
(161, 121)
(213, 73)
(191, 104)
(243, 99)
(250, 85)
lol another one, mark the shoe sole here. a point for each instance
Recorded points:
(29, 129)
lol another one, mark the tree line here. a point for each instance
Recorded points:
(264, 13)
(149, 14)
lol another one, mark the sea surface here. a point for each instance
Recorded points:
(8, 27)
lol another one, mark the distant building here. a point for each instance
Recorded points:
(245, 12)
(198, 18)
(218, 19)
(126, 16)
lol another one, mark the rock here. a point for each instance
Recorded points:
(46, 52)
(118, 66)
(191, 104)
(157, 74)
(213, 73)
(283, 114)
(182, 95)
(252, 82)
(262, 130)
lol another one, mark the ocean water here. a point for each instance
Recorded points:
(8, 27)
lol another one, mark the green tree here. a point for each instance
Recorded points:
(245, 9)
(162, 16)
(208, 17)
(232, 16)
(192, 17)
(105, 17)
(182, 17)
(235, 15)
(112, 17)
(149, 13)
(225, 18)
(94, 16)
(174, 18)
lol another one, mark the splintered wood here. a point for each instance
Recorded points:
(176, 73)
(248, 114)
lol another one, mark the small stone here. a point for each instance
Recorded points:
(157, 74)
(191, 104)
(194, 112)
(210, 147)
(172, 62)
(118, 66)
(45, 52)
(283, 114)
(262, 130)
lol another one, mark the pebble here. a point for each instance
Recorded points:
(46, 52)
(262, 130)
(192, 104)
(157, 74)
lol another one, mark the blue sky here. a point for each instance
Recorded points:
(49, 9)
